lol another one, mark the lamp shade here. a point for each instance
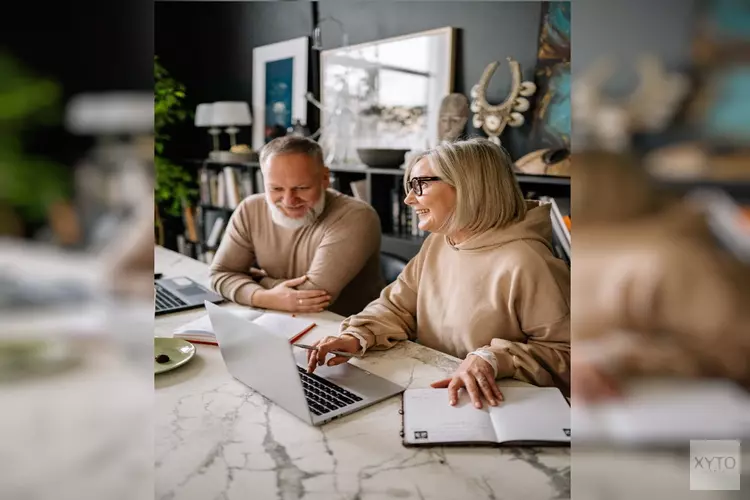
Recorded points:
(229, 113)
(204, 115)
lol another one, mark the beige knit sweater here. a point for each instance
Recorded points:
(339, 253)
(503, 290)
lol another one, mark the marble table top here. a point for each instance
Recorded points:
(216, 438)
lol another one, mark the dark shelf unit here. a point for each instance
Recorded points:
(548, 180)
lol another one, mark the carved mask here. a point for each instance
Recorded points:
(454, 113)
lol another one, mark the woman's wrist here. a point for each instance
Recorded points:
(488, 356)
(362, 342)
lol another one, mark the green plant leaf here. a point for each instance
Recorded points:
(174, 184)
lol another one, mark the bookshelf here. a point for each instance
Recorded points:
(381, 187)
(222, 186)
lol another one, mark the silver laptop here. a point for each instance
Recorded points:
(180, 294)
(271, 366)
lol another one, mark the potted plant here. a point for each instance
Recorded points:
(174, 185)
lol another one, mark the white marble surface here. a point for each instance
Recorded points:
(215, 438)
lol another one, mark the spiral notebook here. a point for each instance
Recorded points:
(528, 416)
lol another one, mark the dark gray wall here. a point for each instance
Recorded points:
(208, 46)
(488, 31)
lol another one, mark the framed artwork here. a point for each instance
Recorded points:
(389, 89)
(552, 115)
(279, 87)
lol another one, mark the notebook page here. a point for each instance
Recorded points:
(531, 414)
(203, 325)
(282, 324)
(428, 418)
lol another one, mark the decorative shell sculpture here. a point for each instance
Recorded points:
(493, 118)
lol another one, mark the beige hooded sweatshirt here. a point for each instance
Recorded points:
(502, 290)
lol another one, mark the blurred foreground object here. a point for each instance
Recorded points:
(77, 323)
(659, 286)
(115, 184)
(655, 293)
(31, 187)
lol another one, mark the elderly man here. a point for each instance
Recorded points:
(315, 248)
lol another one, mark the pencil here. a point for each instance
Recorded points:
(202, 342)
(302, 333)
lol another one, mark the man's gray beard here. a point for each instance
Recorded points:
(310, 217)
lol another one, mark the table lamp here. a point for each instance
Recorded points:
(204, 118)
(231, 114)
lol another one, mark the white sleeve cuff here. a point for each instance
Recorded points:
(362, 341)
(488, 356)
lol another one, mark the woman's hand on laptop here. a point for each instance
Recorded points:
(478, 378)
(345, 343)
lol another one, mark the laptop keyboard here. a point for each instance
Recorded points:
(324, 396)
(166, 300)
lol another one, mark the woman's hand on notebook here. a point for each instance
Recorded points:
(345, 343)
(477, 377)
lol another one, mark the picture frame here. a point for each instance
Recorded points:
(279, 87)
(377, 75)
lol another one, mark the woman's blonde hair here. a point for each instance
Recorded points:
(487, 193)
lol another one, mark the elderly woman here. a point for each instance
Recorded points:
(485, 286)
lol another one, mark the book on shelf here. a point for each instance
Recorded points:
(560, 218)
(227, 187)
(285, 325)
(246, 182)
(221, 190)
(216, 232)
(189, 221)
(221, 199)
(181, 246)
(233, 187)
(527, 416)
(204, 186)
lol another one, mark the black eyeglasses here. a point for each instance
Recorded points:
(418, 183)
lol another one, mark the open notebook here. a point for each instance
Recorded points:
(529, 416)
(285, 325)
